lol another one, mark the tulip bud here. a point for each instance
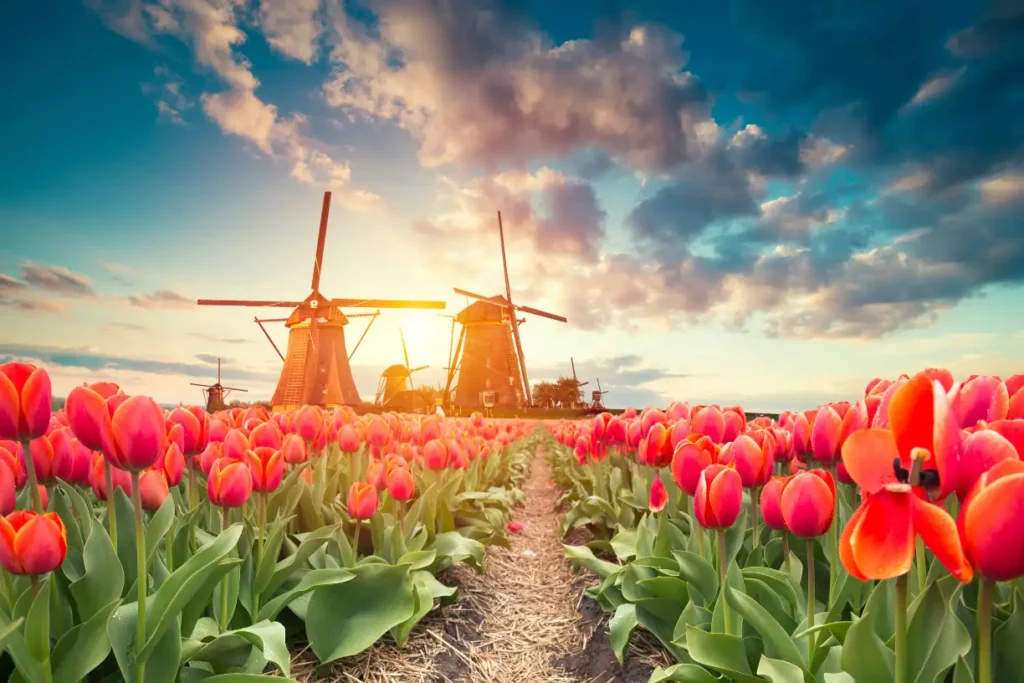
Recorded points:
(139, 431)
(825, 442)
(267, 468)
(808, 503)
(153, 489)
(230, 483)
(377, 475)
(401, 484)
(771, 503)
(98, 478)
(659, 496)
(990, 521)
(378, 433)
(26, 401)
(710, 422)
(8, 493)
(688, 461)
(32, 544)
(266, 435)
(362, 500)
(752, 463)
(348, 439)
(719, 497)
(435, 455)
(293, 448)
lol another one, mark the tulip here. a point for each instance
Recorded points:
(32, 544)
(26, 401)
(825, 435)
(754, 464)
(104, 478)
(658, 496)
(362, 504)
(210, 455)
(688, 462)
(229, 484)
(656, 448)
(982, 451)
(514, 526)
(989, 526)
(293, 448)
(235, 445)
(716, 506)
(378, 433)
(8, 493)
(348, 439)
(710, 422)
(980, 398)
(401, 484)
(266, 435)
(153, 489)
(309, 422)
(771, 504)
(435, 455)
(808, 502)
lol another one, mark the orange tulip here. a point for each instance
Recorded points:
(26, 401)
(32, 544)
(98, 478)
(659, 496)
(195, 425)
(377, 475)
(808, 503)
(172, 465)
(656, 447)
(267, 468)
(153, 489)
(719, 497)
(293, 448)
(230, 483)
(990, 522)
(879, 539)
(753, 463)
(309, 422)
(710, 422)
(378, 432)
(132, 436)
(922, 423)
(362, 500)
(688, 461)
(771, 503)
(435, 455)
(8, 493)
(401, 484)
(235, 444)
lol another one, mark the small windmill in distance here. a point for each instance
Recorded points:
(577, 382)
(597, 396)
(215, 393)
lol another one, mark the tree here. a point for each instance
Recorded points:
(563, 393)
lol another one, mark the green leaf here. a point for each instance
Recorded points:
(1007, 648)
(164, 657)
(864, 655)
(243, 678)
(452, 547)
(699, 573)
(962, 672)
(37, 625)
(9, 630)
(779, 671)
(621, 628)
(935, 637)
(84, 647)
(310, 581)
(103, 581)
(778, 643)
(309, 544)
(159, 524)
(584, 557)
(682, 673)
(345, 619)
(266, 636)
(624, 544)
(722, 652)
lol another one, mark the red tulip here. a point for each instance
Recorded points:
(710, 422)
(153, 489)
(514, 526)
(808, 503)
(735, 422)
(435, 455)
(26, 401)
(266, 465)
(62, 466)
(218, 429)
(659, 496)
(801, 436)
(230, 483)
(752, 462)
(293, 448)
(43, 460)
(10, 454)
(266, 435)
(309, 422)
(377, 475)
(719, 497)
(235, 444)
(32, 544)
(131, 436)
(378, 433)
(982, 451)
(771, 503)
(8, 492)
(195, 426)
(172, 465)
(362, 500)
(98, 478)
(980, 398)
(401, 484)
(825, 433)
(688, 461)
(990, 522)
(348, 439)
(879, 539)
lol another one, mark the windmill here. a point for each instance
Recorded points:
(489, 356)
(214, 393)
(316, 365)
(577, 382)
(395, 389)
(597, 396)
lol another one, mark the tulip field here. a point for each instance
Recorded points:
(872, 541)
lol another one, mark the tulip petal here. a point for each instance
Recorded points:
(911, 416)
(140, 431)
(725, 496)
(37, 402)
(10, 408)
(990, 525)
(868, 456)
(40, 545)
(982, 451)
(808, 505)
(883, 541)
(846, 555)
(938, 531)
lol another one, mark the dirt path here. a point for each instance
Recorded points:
(524, 620)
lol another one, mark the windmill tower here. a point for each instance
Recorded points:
(489, 356)
(215, 393)
(577, 382)
(316, 364)
(396, 381)
(597, 396)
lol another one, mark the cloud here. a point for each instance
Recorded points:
(936, 86)
(9, 285)
(56, 280)
(213, 359)
(291, 27)
(218, 340)
(163, 298)
(15, 295)
(125, 327)
(167, 93)
(627, 379)
(477, 84)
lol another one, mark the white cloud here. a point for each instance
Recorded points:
(935, 87)
(1006, 188)
(291, 27)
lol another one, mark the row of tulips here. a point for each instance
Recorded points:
(870, 541)
(154, 546)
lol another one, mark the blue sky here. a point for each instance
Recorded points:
(729, 203)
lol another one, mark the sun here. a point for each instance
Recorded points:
(416, 327)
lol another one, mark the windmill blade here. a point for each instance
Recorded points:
(321, 239)
(582, 384)
(362, 336)
(269, 338)
(387, 303)
(542, 314)
(417, 369)
(249, 302)
(489, 299)
(205, 386)
(363, 315)
(244, 391)
(405, 354)
(504, 262)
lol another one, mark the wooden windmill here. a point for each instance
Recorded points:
(215, 393)
(489, 356)
(577, 382)
(596, 397)
(316, 365)
(395, 389)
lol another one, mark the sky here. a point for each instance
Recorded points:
(742, 202)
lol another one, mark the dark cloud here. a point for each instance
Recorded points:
(9, 285)
(56, 280)
(213, 359)
(93, 360)
(163, 298)
(15, 295)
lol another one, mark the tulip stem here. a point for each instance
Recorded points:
(225, 521)
(810, 600)
(722, 567)
(984, 664)
(108, 475)
(169, 545)
(756, 540)
(785, 552)
(833, 537)
(35, 585)
(9, 588)
(901, 628)
(261, 515)
(37, 500)
(140, 554)
(922, 567)
(355, 543)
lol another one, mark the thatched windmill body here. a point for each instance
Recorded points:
(489, 361)
(216, 393)
(597, 397)
(395, 389)
(316, 364)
